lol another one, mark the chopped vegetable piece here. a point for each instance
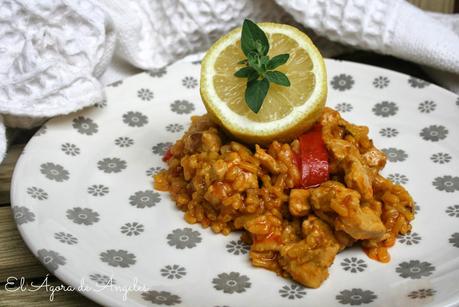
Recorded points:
(167, 155)
(313, 157)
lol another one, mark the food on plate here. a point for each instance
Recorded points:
(293, 230)
(297, 197)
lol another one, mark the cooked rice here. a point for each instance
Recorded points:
(227, 186)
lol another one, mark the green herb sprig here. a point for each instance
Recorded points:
(259, 69)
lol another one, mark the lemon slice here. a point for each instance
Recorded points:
(286, 111)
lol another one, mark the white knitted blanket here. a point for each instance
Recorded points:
(53, 53)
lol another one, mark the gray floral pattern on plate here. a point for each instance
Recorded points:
(161, 298)
(422, 293)
(343, 107)
(132, 229)
(441, 158)
(388, 132)
(37, 193)
(157, 73)
(342, 82)
(411, 238)
(101, 104)
(145, 94)
(182, 107)
(453, 211)
(454, 239)
(184, 238)
(427, 106)
(54, 172)
(66, 238)
(142, 199)
(135, 119)
(353, 265)
(85, 125)
(415, 269)
(174, 271)
(70, 149)
(385, 109)
(395, 155)
(434, 133)
(174, 128)
(22, 215)
(153, 170)
(397, 178)
(381, 82)
(85, 216)
(232, 282)
(111, 165)
(41, 131)
(417, 83)
(446, 183)
(50, 259)
(161, 148)
(98, 190)
(293, 291)
(237, 247)
(189, 82)
(356, 296)
(118, 258)
(124, 141)
(103, 280)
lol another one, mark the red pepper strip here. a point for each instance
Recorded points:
(313, 157)
(167, 155)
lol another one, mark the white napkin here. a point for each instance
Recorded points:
(53, 52)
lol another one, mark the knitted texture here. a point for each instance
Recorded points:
(156, 33)
(51, 55)
(386, 26)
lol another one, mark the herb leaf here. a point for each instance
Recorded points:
(278, 78)
(255, 93)
(244, 72)
(277, 61)
(247, 72)
(253, 76)
(253, 60)
(253, 39)
(258, 69)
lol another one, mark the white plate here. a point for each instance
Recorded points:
(84, 203)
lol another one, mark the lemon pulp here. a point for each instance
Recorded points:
(280, 100)
(286, 112)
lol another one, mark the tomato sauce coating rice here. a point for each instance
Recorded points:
(293, 231)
